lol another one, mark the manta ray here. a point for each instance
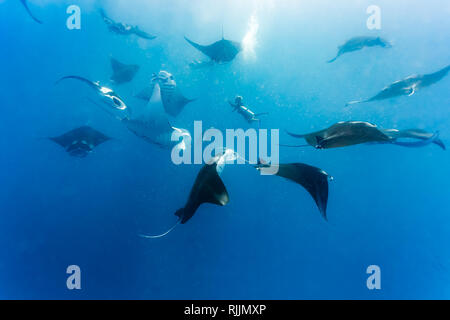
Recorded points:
(359, 43)
(25, 4)
(313, 179)
(124, 29)
(208, 188)
(406, 87)
(123, 73)
(81, 141)
(348, 133)
(172, 98)
(220, 51)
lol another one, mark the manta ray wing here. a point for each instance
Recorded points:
(122, 72)
(84, 133)
(208, 188)
(143, 34)
(117, 66)
(204, 49)
(313, 179)
(174, 101)
(146, 93)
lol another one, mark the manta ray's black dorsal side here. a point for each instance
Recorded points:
(220, 51)
(313, 179)
(203, 49)
(25, 4)
(208, 188)
(174, 101)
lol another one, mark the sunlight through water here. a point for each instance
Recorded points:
(249, 41)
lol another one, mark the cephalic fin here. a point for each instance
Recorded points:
(412, 90)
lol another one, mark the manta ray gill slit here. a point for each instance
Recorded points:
(249, 41)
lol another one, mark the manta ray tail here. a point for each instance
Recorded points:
(333, 60)
(348, 104)
(143, 34)
(195, 45)
(103, 14)
(25, 4)
(146, 236)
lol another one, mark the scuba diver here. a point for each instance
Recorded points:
(248, 115)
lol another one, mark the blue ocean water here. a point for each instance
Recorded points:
(388, 205)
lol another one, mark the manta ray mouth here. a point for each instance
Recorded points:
(79, 152)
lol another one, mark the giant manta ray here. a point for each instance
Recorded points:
(149, 122)
(81, 141)
(220, 51)
(124, 29)
(209, 188)
(407, 86)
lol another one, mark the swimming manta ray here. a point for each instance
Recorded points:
(208, 188)
(25, 4)
(313, 179)
(172, 98)
(220, 51)
(123, 73)
(343, 134)
(124, 29)
(81, 141)
(109, 100)
(348, 133)
(149, 123)
(359, 43)
(406, 87)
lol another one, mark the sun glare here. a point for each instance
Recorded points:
(249, 41)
